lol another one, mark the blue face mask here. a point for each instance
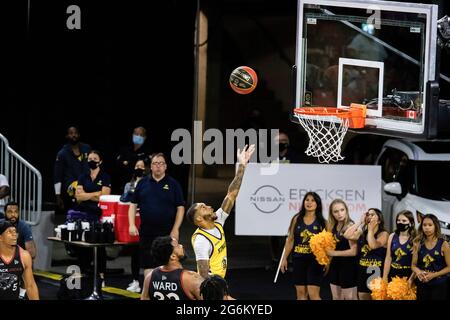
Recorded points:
(139, 140)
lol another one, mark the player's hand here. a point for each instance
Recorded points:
(245, 155)
(133, 231)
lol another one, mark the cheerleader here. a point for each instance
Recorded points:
(431, 260)
(372, 241)
(400, 247)
(308, 273)
(343, 267)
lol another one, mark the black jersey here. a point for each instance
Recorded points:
(401, 254)
(370, 257)
(302, 234)
(341, 242)
(10, 276)
(167, 285)
(432, 260)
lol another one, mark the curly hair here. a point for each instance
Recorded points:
(214, 288)
(162, 249)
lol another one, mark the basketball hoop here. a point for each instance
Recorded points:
(326, 128)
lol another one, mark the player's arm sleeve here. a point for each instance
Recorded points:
(221, 216)
(202, 248)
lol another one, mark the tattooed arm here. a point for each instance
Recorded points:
(203, 268)
(235, 185)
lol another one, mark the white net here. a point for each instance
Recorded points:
(326, 134)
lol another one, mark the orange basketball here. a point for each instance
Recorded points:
(243, 80)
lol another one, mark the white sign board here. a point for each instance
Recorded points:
(267, 203)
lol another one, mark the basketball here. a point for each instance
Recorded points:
(243, 80)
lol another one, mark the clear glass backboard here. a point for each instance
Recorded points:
(378, 53)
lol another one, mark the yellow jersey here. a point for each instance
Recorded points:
(218, 257)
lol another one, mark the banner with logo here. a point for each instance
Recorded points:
(267, 202)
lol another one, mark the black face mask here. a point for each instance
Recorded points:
(93, 164)
(283, 146)
(138, 172)
(402, 227)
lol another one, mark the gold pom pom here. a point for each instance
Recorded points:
(411, 294)
(399, 289)
(379, 289)
(320, 243)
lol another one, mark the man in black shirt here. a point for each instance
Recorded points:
(161, 204)
(71, 162)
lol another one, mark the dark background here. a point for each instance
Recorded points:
(132, 64)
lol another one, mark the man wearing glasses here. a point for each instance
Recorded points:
(161, 207)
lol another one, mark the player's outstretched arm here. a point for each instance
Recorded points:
(235, 185)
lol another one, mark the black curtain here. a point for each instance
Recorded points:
(131, 64)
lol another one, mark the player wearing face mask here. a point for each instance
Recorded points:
(400, 247)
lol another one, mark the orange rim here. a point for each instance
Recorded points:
(323, 111)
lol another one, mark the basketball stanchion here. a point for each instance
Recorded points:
(326, 128)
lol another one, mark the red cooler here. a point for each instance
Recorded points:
(108, 204)
(121, 225)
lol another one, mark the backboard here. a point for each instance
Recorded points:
(378, 53)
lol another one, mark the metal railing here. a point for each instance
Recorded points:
(25, 182)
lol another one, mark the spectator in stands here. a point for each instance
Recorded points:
(4, 193)
(24, 234)
(286, 153)
(140, 170)
(138, 149)
(71, 162)
(160, 200)
(90, 187)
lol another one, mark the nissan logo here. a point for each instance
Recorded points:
(267, 199)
